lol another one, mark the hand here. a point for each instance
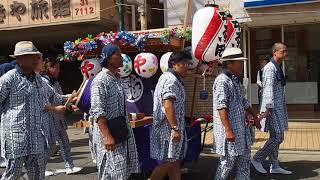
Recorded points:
(230, 136)
(109, 143)
(250, 120)
(263, 115)
(176, 136)
(74, 99)
(60, 109)
(257, 123)
(75, 108)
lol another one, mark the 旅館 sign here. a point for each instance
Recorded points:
(24, 13)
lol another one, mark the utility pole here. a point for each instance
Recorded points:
(121, 13)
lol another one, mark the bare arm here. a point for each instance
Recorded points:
(107, 137)
(170, 112)
(226, 123)
(171, 118)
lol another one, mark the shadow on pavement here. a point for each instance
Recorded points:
(206, 166)
(79, 142)
(88, 170)
(58, 159)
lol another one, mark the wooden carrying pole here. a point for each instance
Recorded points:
(185, 24)
(76, 93)
(186, 20)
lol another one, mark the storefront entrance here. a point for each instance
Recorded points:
(302, 65)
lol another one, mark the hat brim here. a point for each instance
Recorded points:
(235, 59)
(26, 53)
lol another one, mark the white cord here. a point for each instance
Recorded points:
(204, 79)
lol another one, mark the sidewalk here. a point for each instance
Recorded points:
(302, 136)
(304, 165)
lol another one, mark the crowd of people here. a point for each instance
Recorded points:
(33, 120)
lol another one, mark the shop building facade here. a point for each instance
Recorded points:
(264, 22)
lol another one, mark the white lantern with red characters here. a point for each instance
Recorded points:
(209, 29)
(126, 69)
(164, 61)
(90, 68)
(233, 33)
(146, 64)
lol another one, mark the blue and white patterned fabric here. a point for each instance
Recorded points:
(270, 148)
(240, 163)
(59, 117)
(107, 100)
(35, 165)
(228, 93)
(273, 97)
(60, 125)
(51, 130)
(24, 122)
(161, 145)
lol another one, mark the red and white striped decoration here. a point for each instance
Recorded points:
(208, 33)
(233, 33)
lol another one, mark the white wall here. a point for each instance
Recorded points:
(296, 93)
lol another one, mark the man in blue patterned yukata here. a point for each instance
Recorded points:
(274, 110)
(24, 99)
(4, 68)
(115, 160)
(50, 76)
(168, 137)
(232, 131)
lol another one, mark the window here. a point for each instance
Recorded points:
(304, 52)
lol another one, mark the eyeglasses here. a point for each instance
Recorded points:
(283, 51)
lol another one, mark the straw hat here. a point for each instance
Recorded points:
(24, 48)
(232, 54)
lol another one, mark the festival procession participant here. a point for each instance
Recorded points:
(4, 68)
(49, 121)
(262, 63)
(168, 137)
(117, 155)
(232, 132)
(50, 74)
(92, 142)
(274, 110)
(23, 98)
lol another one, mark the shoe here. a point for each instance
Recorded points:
(280, 170)
(3, 165)
(48, 173)
(73, 170)
(60, 171)
(258, 166)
